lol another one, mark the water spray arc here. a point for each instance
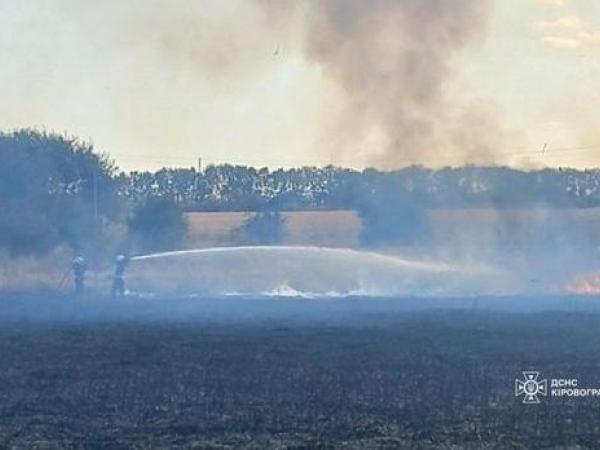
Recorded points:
(294, 271)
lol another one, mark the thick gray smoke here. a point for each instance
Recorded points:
(395, 61)
(351, 82)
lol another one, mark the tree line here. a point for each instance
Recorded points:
(55, 189)
(241, 188)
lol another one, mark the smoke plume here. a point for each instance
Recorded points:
(352, 82)
(403, 100)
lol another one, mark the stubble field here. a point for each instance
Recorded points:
(293, 374)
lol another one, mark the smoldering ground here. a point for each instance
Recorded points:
(383, 378)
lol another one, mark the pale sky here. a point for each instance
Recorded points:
(163, 82)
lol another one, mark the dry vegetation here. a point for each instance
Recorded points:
(37, 274)
(513, 225)
(326, 228)
(460, 227)
(341, 228)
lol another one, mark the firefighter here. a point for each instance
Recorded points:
(118, 287)
(79, 268)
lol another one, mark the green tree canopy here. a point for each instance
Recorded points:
(53, 189)
(157, 224)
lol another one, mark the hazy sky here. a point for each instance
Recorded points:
(282, 83)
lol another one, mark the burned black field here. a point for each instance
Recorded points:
(292, 374)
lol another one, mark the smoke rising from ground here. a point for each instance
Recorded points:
(395, 62)
(397, 98)
(347, 82)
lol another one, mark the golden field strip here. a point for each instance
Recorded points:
(342, 228)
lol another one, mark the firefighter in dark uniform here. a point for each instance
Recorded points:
(79, 268)
(118, 287)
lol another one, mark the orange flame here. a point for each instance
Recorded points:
(585, 284)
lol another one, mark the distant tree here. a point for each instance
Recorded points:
(53, 189)
(390, 215)
(265, 228)
(157, 224)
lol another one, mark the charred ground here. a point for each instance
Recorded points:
(266, 373)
